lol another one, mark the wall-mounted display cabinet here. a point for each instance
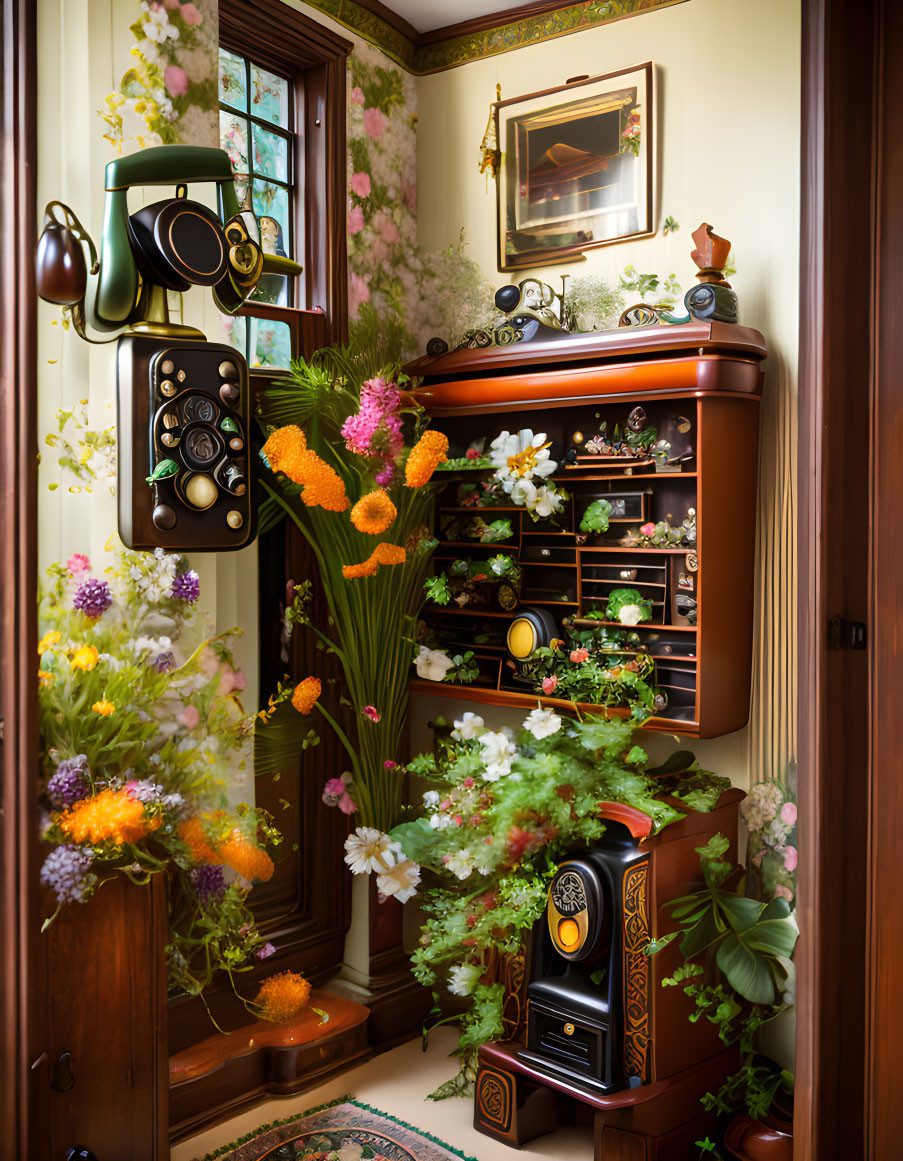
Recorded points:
(660, 423)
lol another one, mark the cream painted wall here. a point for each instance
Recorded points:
(83, 50)
(728, 130)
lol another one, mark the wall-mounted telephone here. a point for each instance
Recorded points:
(185, 464)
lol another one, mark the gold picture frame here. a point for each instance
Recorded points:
(576, 168)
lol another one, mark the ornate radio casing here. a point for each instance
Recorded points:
(587, 1002)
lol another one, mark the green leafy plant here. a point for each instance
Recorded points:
(437, 590)
(749, 943)
(595, 518)
(499, 811)
(666, 290)
(628, 606)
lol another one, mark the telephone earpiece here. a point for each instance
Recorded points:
(179, 243)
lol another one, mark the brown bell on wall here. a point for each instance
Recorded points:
(60, 268)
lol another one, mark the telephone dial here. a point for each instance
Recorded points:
(186, 467)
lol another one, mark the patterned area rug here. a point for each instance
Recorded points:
(343, 1131)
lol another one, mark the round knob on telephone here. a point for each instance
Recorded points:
(60, 268)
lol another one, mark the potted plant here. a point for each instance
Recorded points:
(738, 975)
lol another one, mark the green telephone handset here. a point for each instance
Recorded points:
(170, 245)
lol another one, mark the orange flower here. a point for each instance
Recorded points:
(104, 708)
(192, 833)
(306, 695)
(323, 486)
(246, 858)
(384, 553)
(373, 513)
(283, 996)
(111, 816)
(285, 450)
(426, 455)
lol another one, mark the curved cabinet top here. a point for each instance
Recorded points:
(703, 358)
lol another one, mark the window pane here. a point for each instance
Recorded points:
(271, 208)
(233, 137)
(270, 154)
(271, 344)
(235, 332)
(269, 97)
(232, 79)
(272, 289)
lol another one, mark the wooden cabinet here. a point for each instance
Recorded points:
(698, 386)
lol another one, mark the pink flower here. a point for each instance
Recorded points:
(355, 220)
(379, 250)
(467, 783)
(176, 80)
(333, 791)
(647, 529)
(372, 713)
(390, 232)
(386, 475)
(360, 293)
(390, 765)
(473, 453)
(782, 892)
(549, 683)
(231, 680)
(410, 198)
(191, 15)
(375, 122)
(189, 717)
(458, 820)
(579, 656)
(357, 96)
(790, 858)
(788, 813)
(78, 563)
(360, 184)
(347, 805)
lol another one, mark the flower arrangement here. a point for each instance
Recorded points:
(140, 716)
(770, 813)
(477, 584)
(351, 463)
(499, 809)
(520, 461)
(173, 80)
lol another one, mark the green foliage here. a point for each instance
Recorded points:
(382, 88)
(437, 590)
(465, 670)
(592, 304)
(499, 813)
(670, 226)
(595, 518)
(666, 290)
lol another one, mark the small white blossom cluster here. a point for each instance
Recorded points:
(369, 851)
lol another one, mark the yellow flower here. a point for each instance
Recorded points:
(103, 707)
(85, 657)
(306, 695)
(426, 455)
(45, 677)
(373, 513)
(384, 553)
(48, 640)
(282, 997)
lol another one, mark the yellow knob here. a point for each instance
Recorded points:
(568, 934)
(521, 638)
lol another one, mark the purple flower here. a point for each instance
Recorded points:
(186, 587)
(70, 782)
(66, 870)
(93, 597)
(266, 951)
(164, 662)
(208, 882)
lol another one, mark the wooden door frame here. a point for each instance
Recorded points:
(24, 1068)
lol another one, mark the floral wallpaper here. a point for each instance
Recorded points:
(441, 293)
(168, 96)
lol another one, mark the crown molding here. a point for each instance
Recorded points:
(484, 36)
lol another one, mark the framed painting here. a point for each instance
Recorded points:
(575, 169)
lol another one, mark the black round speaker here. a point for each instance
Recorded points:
(179, 244)
(507, 297)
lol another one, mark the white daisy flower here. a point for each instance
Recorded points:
(469, 727)
(498, 750)
(432, 664)
(521, 457)
(440, 821)
(401, 881)
(542, 723)
(464, 978)
(370, 850)
(461, 863)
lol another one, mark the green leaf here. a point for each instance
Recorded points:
(419, 841)
(278, 740)
(741, 912)
(747, 973)
(772, 937)
(701, 936)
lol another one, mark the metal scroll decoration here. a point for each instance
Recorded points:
(712, 300)
(530, 310)
(636, 972)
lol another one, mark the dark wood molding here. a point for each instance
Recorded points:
(24, 1063)
(835, 382)
(314, 57)
(483, 23)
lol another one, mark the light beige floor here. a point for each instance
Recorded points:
(397, 1083)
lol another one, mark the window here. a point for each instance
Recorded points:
(258, 133)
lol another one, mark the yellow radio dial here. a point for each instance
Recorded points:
(521, 638)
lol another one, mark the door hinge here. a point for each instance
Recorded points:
(843, 634)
